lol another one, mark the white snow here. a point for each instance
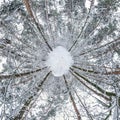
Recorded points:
(88, 3)
(2, 61)
(59, 61)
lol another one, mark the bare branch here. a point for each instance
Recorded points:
(72, 99)
(84, 107)
(26, 2)
(94, 85)
(115, 72)
(30, 99)
(20, 74)
(28, 7)
(99, 94)
(102, 46)
(92, 3)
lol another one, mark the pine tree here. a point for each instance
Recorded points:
(30, 30)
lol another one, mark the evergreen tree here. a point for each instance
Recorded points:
(89, 30)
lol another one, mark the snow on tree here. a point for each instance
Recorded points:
(62, 60)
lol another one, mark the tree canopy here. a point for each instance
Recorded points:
(89, 30)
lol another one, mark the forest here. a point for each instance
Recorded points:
(60, 60)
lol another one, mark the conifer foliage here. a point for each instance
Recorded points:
(89, 31)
